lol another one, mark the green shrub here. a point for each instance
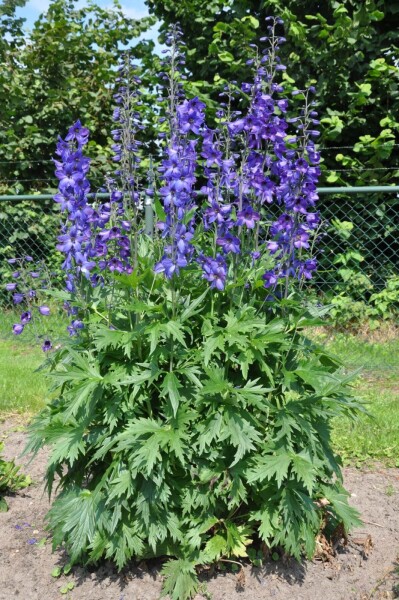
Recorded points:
(192, 428)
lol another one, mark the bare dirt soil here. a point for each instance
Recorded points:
(365, 569)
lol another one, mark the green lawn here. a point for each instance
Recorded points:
(376, 437)
(23, 391)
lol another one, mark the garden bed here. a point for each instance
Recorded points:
(363, 570)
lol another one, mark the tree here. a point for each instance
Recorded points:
(62, 72)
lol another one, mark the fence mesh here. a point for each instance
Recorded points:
(358, 246)
(360, 236)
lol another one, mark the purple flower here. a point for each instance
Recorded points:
(170, 267)
(34, 274)
(71, 330)
(16, 274)
(301, 239)
(273, 246)
(26, 317)
(47, 345)
(306, 269)
(270, 279)
(78, 133)
(217, 213)
(32, 541)
(17, 328)
(191, 115)
(18, 298)
(10, 287)
(229, 243)
(214, 271)
(44, 310)
(247, 217)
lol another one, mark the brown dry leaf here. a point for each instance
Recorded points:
(240, 579)
(339, 535)
(265, 550)
(324, 550)
(366, 544)
(322, 502)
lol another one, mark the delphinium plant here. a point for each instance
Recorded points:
(191, 415)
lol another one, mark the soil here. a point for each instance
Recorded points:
(366, 568)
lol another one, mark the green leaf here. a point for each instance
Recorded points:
(267, 467)
(209, 347)
(241, 433)
(225, 56)
(3, 505)
(191, 309)
(171, 386)
(345, 514)
(215, 548)
(181, 581)
(303, 467)
(68, 445)
(238, 538)
(269, 522)
(67, 588)
(124, 544)
(79, 515)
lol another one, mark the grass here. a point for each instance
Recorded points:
(369, 439)
(375, 437)
(21, 389)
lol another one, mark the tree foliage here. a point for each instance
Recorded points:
(346, 48)
(63, 71)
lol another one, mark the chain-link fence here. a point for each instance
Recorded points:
(359, 242)
(358, 247)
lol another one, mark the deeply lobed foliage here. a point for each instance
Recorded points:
(230, 448)
(10, 479)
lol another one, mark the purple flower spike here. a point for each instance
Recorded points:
(47, 345)
(44, 310)
(17, 328)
